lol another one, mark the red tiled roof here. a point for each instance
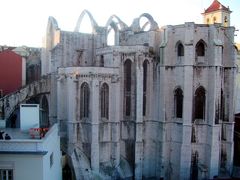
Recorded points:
(215, 6)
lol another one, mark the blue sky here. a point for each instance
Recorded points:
(23, 22)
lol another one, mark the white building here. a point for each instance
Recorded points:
(159, 103)
(25, 158)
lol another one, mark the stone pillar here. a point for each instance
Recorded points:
(114, 106)
(53, 99)
(94, 108)
(139, 122)
(60, 106)
(229, 126)
(212, 96)
(185, 162)
(163, 144)
(71, 111)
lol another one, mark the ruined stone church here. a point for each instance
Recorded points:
(157, 103)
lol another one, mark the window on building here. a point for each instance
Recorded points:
(6, 174)
(180, 50)
(200, 49)
(223, 133)
(193, 136)
(178, 102)
(145, 68)
(51, 159)
(104, 100)
(84, 100)
(208, 20)
(127, 86)
(214, 19)
(225, 19)
(111, 37)
(199, 103)
(222, 110)
(101, 61)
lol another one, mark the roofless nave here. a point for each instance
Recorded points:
(156, 104)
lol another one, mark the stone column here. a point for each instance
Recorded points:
(185, 162)
(60, 105)
(139, 121)
(71, 111)
(94, 108)
(114, 106)
(53, 99)
(213, 95)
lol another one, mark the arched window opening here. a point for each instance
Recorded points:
(111, 37)
(84, 100)
(225, 19)
(178, 102)
(101, 61)
(223, 134)
(145, 68)
(193, 136)
(200, 103)
(200, 49)
(44, 113)
(180, 50)
(104, 101)
(214, 19)
(144, 24)
(86, 26)
(222, 110)
(208, 21)
(127, 86)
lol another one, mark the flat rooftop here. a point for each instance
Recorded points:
(16, 133)
(27, 142)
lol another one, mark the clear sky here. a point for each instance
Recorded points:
(23, 22)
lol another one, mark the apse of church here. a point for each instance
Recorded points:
(157, 104)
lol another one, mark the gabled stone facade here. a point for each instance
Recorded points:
(157, 104)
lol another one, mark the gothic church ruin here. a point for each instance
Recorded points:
(158, 103)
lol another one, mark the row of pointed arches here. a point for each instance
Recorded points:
(200, 48)
(114, 25)
(199, 103)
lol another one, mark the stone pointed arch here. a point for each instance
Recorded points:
(52, 28)
(80, 19)
(119, 21)
(153, 23)
(179, 48)
(136, 23)
(116, 24)
(52, 24)
(201, 47)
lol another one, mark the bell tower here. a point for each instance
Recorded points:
(217, 13)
